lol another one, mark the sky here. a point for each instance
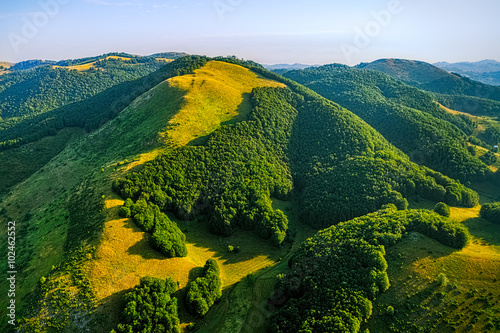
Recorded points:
(266, 31)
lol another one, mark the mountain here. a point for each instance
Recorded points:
(287, 66)
(215, 173)
(408, 117)
(486, 71)
(450, 89)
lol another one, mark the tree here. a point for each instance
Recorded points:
(442, 209)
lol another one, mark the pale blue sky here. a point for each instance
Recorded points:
(312, 32)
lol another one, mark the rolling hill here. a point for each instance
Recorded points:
(450, 89)
(408, 117)
(219, 158)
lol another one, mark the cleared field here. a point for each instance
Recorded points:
(4, 67)
(79, 68)
(216, 93)
(164, 59)
(118, 57)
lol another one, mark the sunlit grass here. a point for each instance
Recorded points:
(80, 68)
(216, 93)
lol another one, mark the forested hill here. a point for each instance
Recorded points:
(451, 89)
(34, 87)
(406, 116)
(339, 165)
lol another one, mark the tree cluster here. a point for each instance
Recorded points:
(491, 212)
(150, 308)
(205, 290)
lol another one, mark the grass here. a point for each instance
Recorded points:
(124, 255)
(165, 59)
(39, 204)
(470, 300)
(80, 68)
(118, 57)
(216, 93)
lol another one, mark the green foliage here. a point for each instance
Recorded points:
(93, 111)
(150, 307)
(491, 212)
(406, 116)
(205, 290)
(336, 274)
(442, 209)
(489, 158)
(470, 104)
(389, 310)
(340, 166)
(166, 237)
(65, 293)
(230, 179)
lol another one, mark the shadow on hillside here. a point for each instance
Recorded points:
(108, 313)
(143, 248)
(482, 229)
(246, 245)
(242, 113)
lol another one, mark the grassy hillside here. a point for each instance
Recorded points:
(45, 220)
(216, 93)
(139, 135)
(438, 289)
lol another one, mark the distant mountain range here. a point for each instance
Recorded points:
(486, 71)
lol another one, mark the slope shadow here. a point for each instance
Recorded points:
(483, 229)
(242, 112)
(248, 244)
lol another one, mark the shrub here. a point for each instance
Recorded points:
(442, 209)
(491, 212)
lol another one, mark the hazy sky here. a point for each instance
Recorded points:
(267, 31)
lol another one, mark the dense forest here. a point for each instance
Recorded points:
(340, 166)
(406, 116)
(336, 274)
